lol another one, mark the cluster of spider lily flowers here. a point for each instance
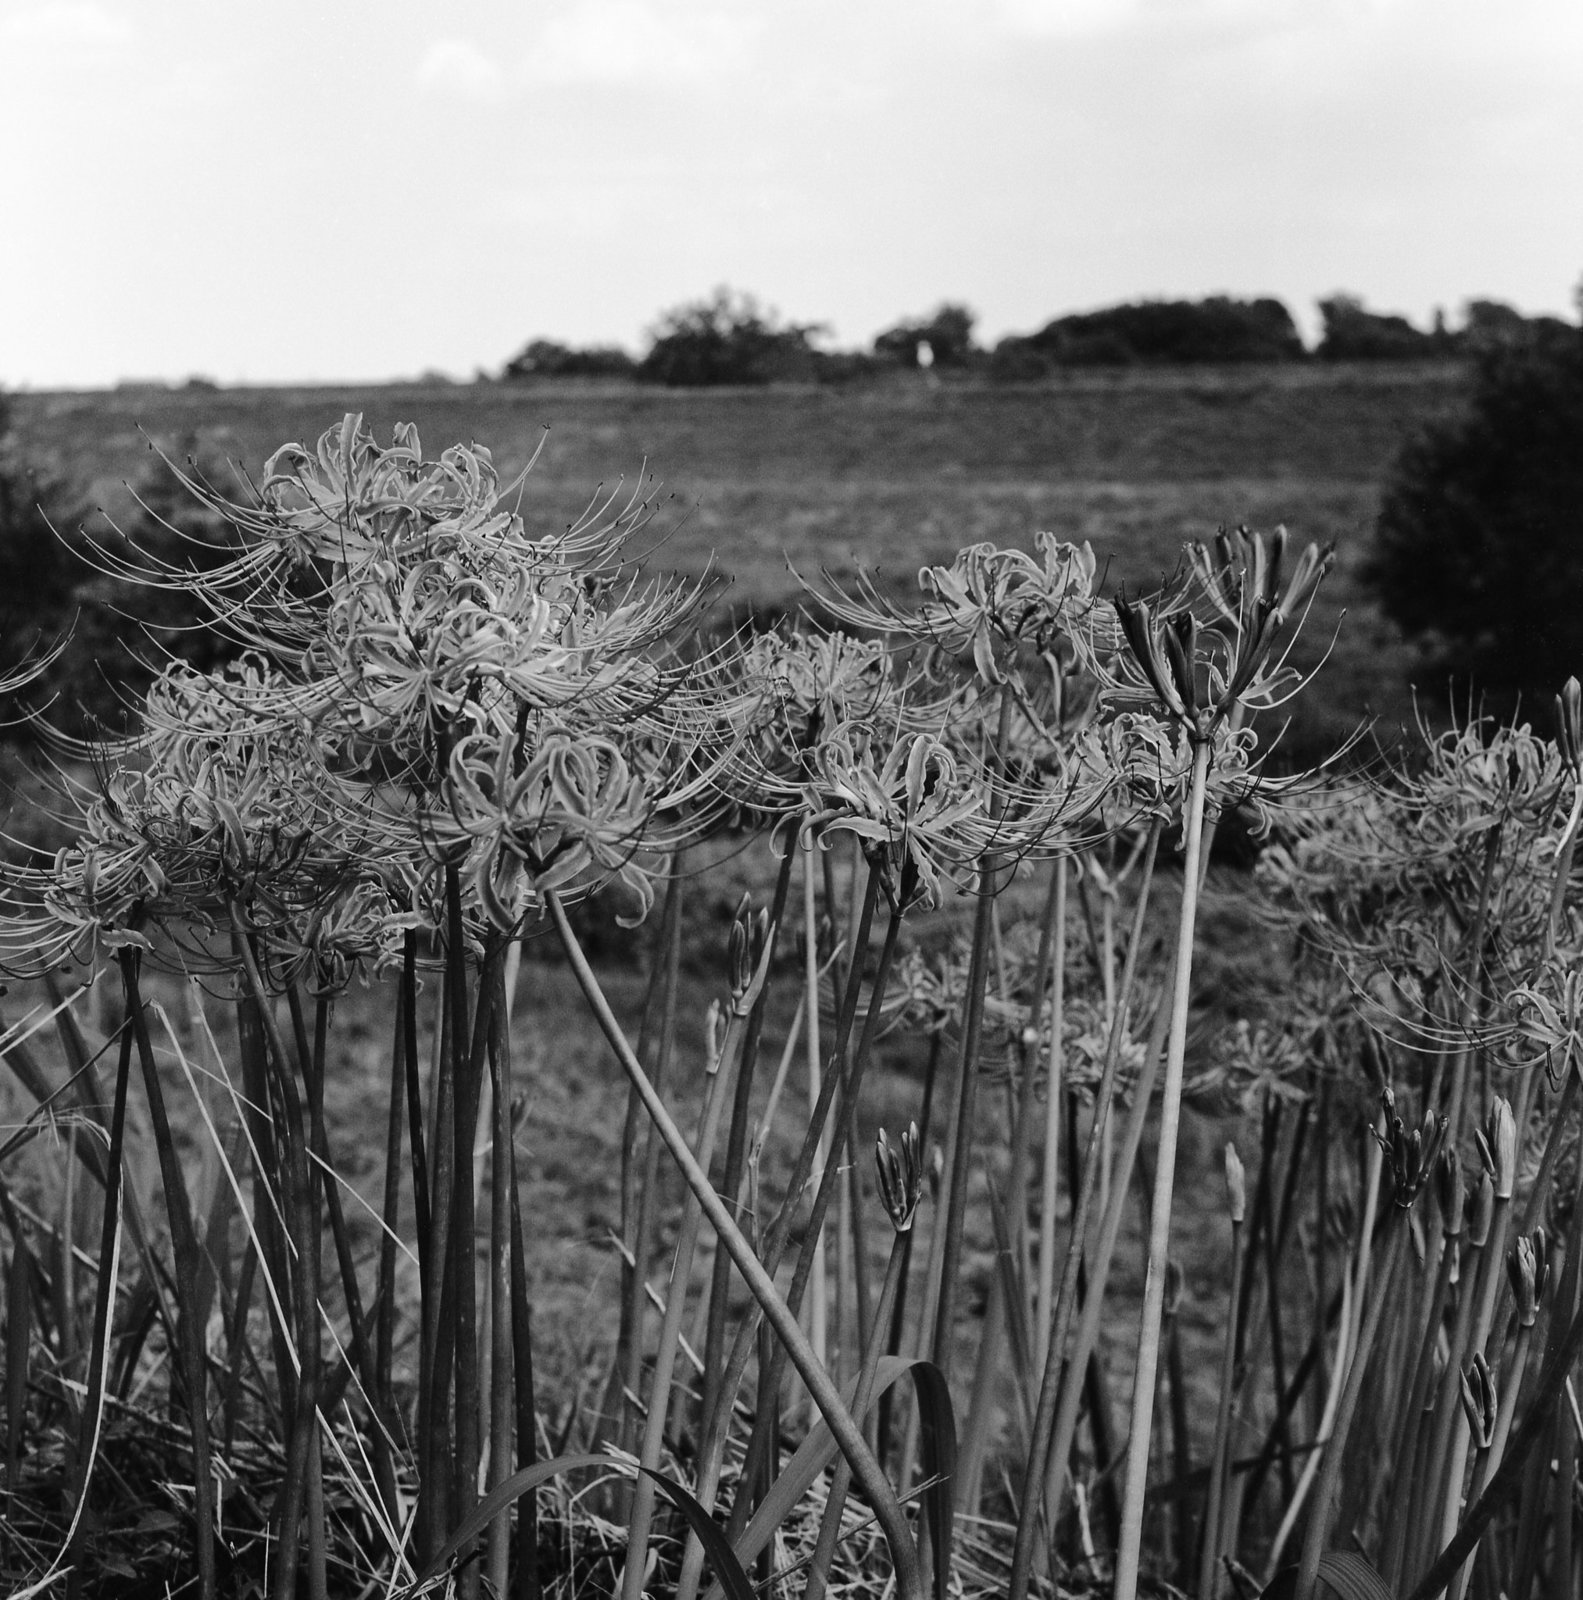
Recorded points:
(443, 726)
(422, 684)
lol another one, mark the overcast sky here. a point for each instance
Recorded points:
(360, 190)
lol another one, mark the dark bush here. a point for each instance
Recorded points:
(544, 358)
(1491, 325)
(1218, 329)
(844, 366)
(38, 572)
(728, 338)
(1479, 547)
(117, 633)
(1350, 333)
(947, 330)
(1016, 359)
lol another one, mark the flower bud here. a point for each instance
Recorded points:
(714, 1037)
(1411, 1155)
(1569, 726)
(1479, 1401)
(1480, 1211)
(1497, 1143)
(749, 938)
(1451, 1190)
(1236, 1185)
(1528, 1267)
(1173, 1289)
(900, 1176)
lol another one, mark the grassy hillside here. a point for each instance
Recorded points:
(890, 476)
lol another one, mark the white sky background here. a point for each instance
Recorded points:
(359, 190)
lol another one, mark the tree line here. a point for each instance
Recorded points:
(732, 338)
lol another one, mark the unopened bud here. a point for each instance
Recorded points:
(1236, 1185)
(1497, 1143)
(936, 1171)
(1450, 1192)
(1480, 1211)
(714, 1037)
(1479, 1401)
(749, 938)
(1411, 1155)
(900, 1176)
(1528, 1267)
(1173, 1289)
(1569, 725)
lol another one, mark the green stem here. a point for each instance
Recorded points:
(184, 1247)
(1335, 1447)
(848, 1436)
(1137, 1471)
(643, 1491)
(1057, 1378)
(959, 1167)
(841, 1481)
(1210, 1554)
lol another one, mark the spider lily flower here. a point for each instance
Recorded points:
(981, 608)
(908, 808)
(1254, 596)
(1528, 1267)
(772, 702)
(1163, 648)
(567, 813)
(1199, 673)
(899, 1168)
(1480, 1402)
(1547, 1020)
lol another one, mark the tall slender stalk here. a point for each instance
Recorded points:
(1137, 1469)
(1051, 1379)
(862, 1394)
(1335, 1447)
(848, 1436)
(959, 1165)
(1209, 1555)
(502, 1235)
(642, 1512)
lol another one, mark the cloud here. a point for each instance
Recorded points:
(622, 41)
(74, 23)
(1057, 18)
(457, 67)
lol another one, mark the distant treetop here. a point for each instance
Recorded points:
(730, 338)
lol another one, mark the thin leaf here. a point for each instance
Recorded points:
(19, 1321)
(1342, 1573)
(731, 1574)
(937, 1445)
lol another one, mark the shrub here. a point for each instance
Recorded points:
(728, 338)
(38, 573)
(1351, 333)
(1479, 547)
(55, 588)
(544, 358)
(947, 330)
(1185, 331)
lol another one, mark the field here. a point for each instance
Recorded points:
(1263, 1036)
(888, 477)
